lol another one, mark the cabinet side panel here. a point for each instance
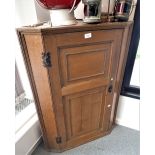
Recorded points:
(121, 68)
(38, 75)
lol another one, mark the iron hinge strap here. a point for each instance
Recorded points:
(46, 58)
(58, 140)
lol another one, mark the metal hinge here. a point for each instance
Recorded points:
(46, 59)
(58, 140)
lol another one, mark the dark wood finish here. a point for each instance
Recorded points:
(76, 95)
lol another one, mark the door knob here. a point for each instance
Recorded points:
(112, 79)
(109, 106)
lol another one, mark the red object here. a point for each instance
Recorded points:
(57, 4)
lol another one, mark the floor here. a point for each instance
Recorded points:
(121, 141)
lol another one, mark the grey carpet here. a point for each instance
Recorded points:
(121, 141)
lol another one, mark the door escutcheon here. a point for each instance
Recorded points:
(110, 88)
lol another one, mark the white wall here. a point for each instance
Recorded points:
(29, 133)
(42, 14)
(25, 12)
(79, 11)
(128, 113)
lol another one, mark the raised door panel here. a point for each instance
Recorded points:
(84, 113)
(81, 63)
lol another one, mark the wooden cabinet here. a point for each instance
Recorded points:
(75, 74)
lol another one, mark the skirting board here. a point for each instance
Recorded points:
(35, 145)
(125, 124)
(128, 112)
(28, 137)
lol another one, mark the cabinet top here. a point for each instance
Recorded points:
(80, 26)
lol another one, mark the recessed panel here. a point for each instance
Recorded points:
(84, 112)
(85, 62)
(82, 65)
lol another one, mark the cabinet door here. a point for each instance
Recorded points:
(84, 69)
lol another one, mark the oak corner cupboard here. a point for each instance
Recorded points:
(75, 74)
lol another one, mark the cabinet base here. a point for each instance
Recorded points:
(76, 145)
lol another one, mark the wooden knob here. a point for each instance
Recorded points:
(109, 106)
